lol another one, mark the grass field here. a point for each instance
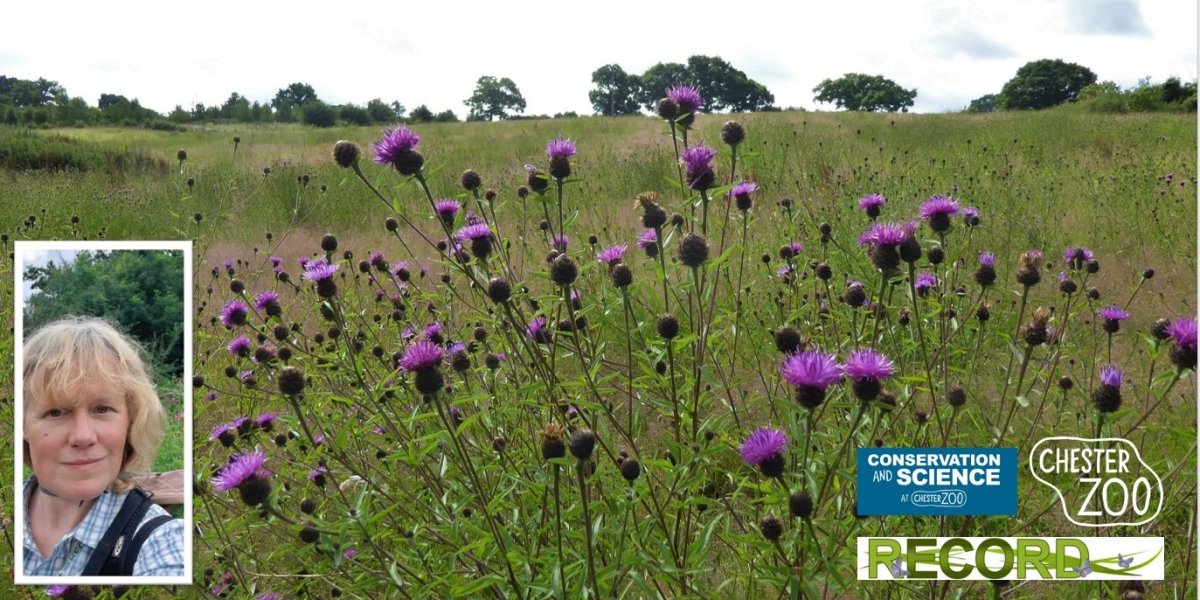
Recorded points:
(423, 501)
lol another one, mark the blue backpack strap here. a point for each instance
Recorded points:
(130, 554)
(117, 535)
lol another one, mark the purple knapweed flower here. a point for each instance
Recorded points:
(686, 97)
(421, 356)
(872, 204)
(810, 369)
(987, 259)
(925, 281)
(319, 270)
(536, 330)
(970, 216)
(265, 299)
(560, 242)
(1113, 313)
(447, 209)
(868, 364)
(560, 148)
(1077, 254)
(218, 431)
(265, 420)
(56, 591)
(612, 254)
(697, 161)
(796, 247)
(647, 238)
(350, 553)
(320, 471)
(762, 445)
(884, 234)
(242, 468)
(473, 232)
(234, 313)
(784, 271)
(744, 188)
(938, 205)
(240, 346)
(1183, 332)
(1111, 376)
(394, 142)
(267, 596)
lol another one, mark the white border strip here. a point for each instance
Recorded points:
(20, 248)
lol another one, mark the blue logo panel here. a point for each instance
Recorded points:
(937, 481)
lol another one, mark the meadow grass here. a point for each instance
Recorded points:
(1041, 180)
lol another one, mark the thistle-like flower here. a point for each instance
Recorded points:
(811, 373)
(764, 449)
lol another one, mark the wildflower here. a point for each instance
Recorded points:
(693, 250)
(240, 346)
(265, 421)
(622, 276)
(552, 442)
(866, 370)
(612, 254)
(732, 133)
(560, 241)
(924, 282)
(686, 97)
(970, 216)
(345, 154)
(563, 270)
(247, 474)
(648, 242)
(398, 148)
(291, 381)
(222, 433)
(1030, 272)
(986, 274)
(884, 240)
(421, 356)
(697, 162)
(1107, 397)
(764, 449)
(801, 505)
(560, 151)
(1183, 332)
(653, 215)
(422, 359)
(350, 553)
(268, 301)
(582, 442)
(856, 294)
(771, 528)
(872, 204)
(937, 210)
(788, 340)
(1112, 315)
(537, 330)
(446, 210)
(1036, 332)
(499, 290)
(234, 313)
(480, 237)
(630, 469)
(319, 270)
(668, 327)
(741, 194)
(810, 373)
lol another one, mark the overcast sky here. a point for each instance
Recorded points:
(952, 51)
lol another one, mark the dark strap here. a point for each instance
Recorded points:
(132, 547)
(118, 534)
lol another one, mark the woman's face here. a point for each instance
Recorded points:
(77, 445)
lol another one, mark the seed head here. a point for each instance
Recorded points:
(583, 441)
(345, 154)
(693, 250)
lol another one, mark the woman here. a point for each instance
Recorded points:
(92, 419)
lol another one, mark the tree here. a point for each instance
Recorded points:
(236, 107)
(725, 88)
(318, 114)
(856, 91)
(616, 91)
(495, 98)
(26, 93)
(657, 79)
(294, 96)
(381, 112)
(446, 116)
(1044, 83)
(983, 104)
(355, 115)
(142, 290)
(421, 114)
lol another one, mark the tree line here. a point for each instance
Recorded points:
(1036, 85)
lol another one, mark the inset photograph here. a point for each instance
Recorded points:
(103, 412)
